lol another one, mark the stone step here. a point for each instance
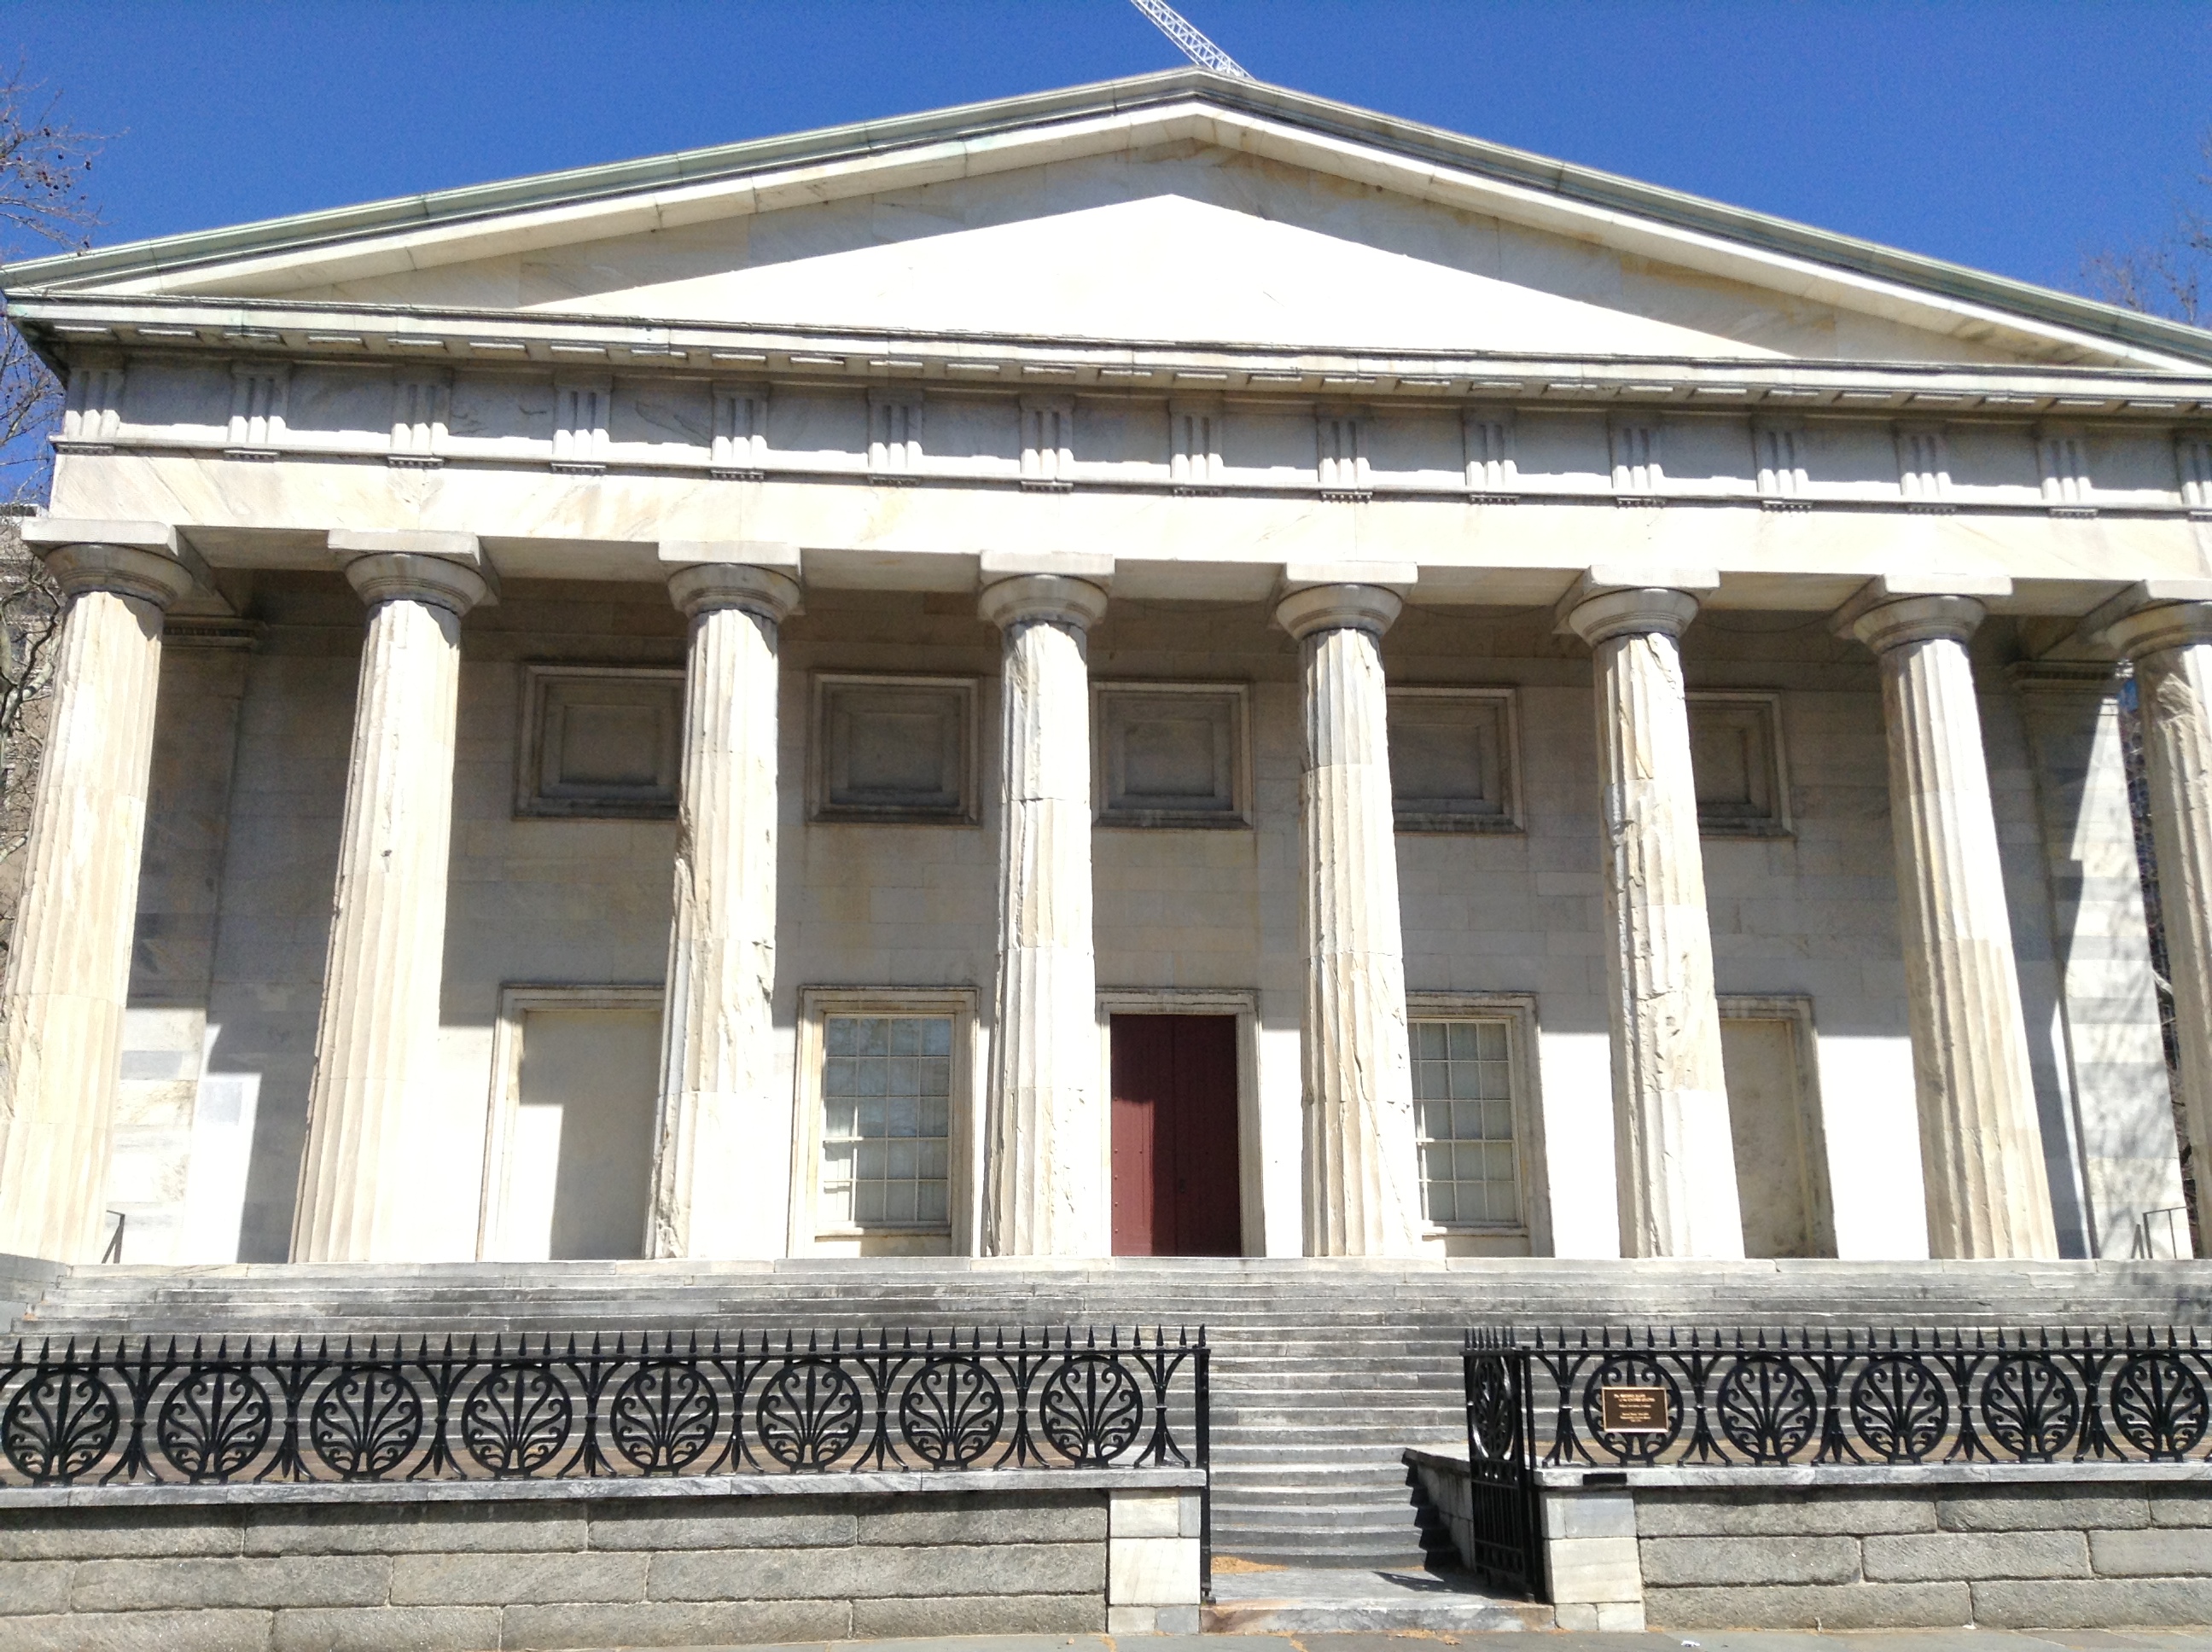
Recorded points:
(1294, 1467)
(1241, 1505)
(1357, 1488)
(1323, 1548)
(1317, 1546)
(1296, 1456)
(1339, 1517)
(1326, 1432)
(1315, 1478)
(1373, 1406)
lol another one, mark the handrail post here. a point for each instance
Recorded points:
(1205, 1463)
(1532, 1507)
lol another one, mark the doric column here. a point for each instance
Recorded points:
(1981, 1152)
(2170, 644)
(69, 968)
(1363, 1195)
(369, 1127)
(1046, 1192)
(1675, 1156)
(721, 1169)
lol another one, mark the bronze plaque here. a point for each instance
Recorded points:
(1625, 1410)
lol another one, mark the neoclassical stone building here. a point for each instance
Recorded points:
(1172, 667)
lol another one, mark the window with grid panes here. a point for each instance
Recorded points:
(1463, 1107)
(887, 1114)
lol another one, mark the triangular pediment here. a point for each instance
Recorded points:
(1176, 209)
(1185, 247)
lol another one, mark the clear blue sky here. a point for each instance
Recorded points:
(2012, 136)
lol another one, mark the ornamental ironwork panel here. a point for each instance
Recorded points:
(1762, 1398)
(284, 1409)
(1616, 1399)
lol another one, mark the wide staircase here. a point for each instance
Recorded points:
(1323, 1373)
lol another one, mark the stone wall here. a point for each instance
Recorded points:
(2062, 1554)
(570, 1565)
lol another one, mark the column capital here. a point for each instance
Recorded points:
(126, 570)
(401, 576)
(706, 587)
(1883, 626)
(1343, 607)
(1054, 598)
(2152, 615)
(1892, 610)
(1614, 600)
(446, 570)
(133, 559)
(1641, 610)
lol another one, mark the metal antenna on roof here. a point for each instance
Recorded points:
(1189, 41)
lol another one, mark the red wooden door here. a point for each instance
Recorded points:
(1176, 1190)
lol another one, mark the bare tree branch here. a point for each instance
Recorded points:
(2171, 277)
(45, 164)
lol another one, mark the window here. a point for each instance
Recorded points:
(1452, 760)
(894, 748)
(1463, 1117)
(886, 1121)
(599, 742)
(1170, 754)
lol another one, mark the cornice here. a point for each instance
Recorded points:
(60, 325)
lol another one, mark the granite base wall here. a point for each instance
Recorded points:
(554, 1572)
(2094, 1555)
(2056, 1545)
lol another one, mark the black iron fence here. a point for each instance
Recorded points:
(1648, 1397)
(144, 1410)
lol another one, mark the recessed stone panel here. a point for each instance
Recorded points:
(599, 742)
(1453, 760)
(894, 748)
(1170, 754)
(1735, 752)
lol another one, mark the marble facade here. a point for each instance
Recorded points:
(1606, 619)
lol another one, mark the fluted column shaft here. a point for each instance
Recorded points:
(2171, 646)
(1363, 1195)
(1045, 1172)
(722, 1145)
(1675, 1154)
(370, 1116)
(1981, 1151)
(69, 968)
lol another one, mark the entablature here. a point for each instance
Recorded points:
(736, 405)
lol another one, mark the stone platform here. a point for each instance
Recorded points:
(1324, 1372)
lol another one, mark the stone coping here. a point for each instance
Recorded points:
(1745, 1476)
(832, 1483)
(2188, 1272)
